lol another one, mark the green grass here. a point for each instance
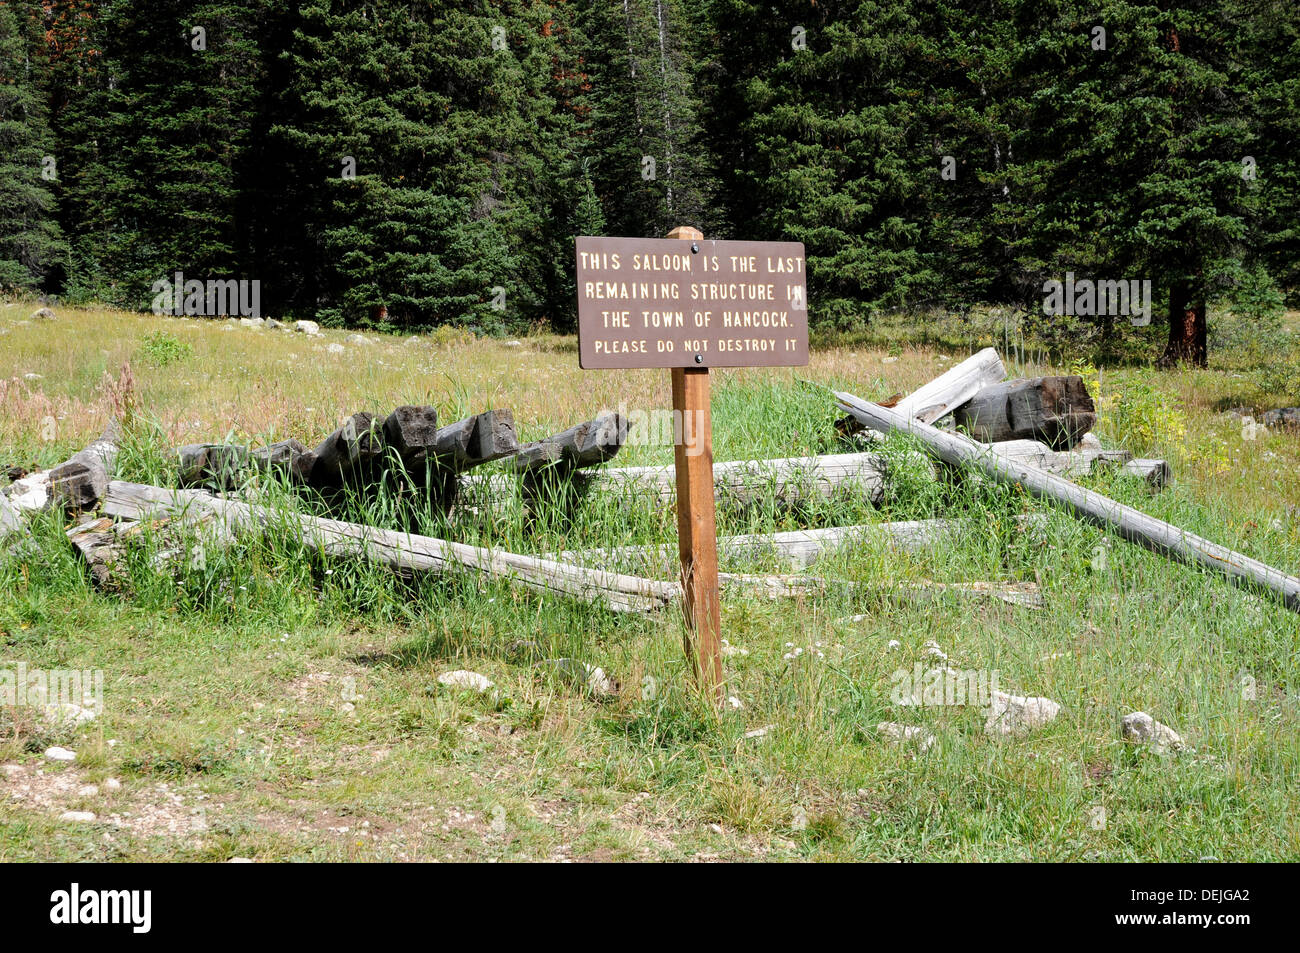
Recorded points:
(271, 702)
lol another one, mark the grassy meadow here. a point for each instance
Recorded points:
(274, 703)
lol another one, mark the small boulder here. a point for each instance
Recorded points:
(910, 734)
(81, 817)
(310, 328)
(1285, 418)
(336, 348)
(1139, 728)
(60, 754)
(1019, 714)
(44, 314)
(465, 681)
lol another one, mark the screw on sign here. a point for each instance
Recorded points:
(652, 302)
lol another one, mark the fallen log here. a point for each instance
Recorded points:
(349, 454)
(621, 593)
(1056, 410)
(411, 431)
(475, 440)
(218, 465)
(795, 548)
(787, 480)
(585, 445)
(80, 482)
(1093, 507)
(953, 388)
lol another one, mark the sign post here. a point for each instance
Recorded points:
(663, 303)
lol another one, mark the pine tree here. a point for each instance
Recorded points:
(31, 247)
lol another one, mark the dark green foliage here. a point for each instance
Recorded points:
(30, 244)
(412, 163)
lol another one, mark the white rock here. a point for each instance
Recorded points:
(239, 860)
(914, 734)
(465, 680)
(32, 492)
(112, 784)
(735, 703)
(11, 770)
(33, 376)
(43, 314)
(273, 324)
(336, 348)
(1141, 729)
(358, 339)
(60, 754)
(1018, 714)
(88, 790)
(67, 714)
(514, 344)
(77, 816)
(888, 360)
(306, 327)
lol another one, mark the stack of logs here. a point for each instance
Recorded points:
(406, 445)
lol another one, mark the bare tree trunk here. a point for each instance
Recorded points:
(1187, 328)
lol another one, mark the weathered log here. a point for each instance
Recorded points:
(786, 480)
(474, 440)
(1056, 410)
(411, 431)
(953, 388)
(1093, 507)
(218, 465)
(796, 549)
(81, 481)
(587, 444)
(402, 550)
(286, 456)
(348, 453)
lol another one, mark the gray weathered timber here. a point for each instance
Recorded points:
(474, 440)
(219, 465)
(1057, 410)
(402, 550)
(587, 444)
(1131, 524)
(348, 453)
(954, 387)
(411, 431)
(80, 483)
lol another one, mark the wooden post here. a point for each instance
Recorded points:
(697, 534)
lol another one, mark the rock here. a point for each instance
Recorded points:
(734, 703)
(33, 376)
(514, 344)
(912, 734)
(67, 714)
(358, 339)
(77, 816)
(251, 322)
(60, 754)
(44, 314)
(1088, 441)
(1139, 728)
(88, 790)
(465, 680)
(1018, 714)
(336, 348)
(273, 324)
(11, 770)
(112, 784)
(1287, 418)
(239, 860)
(310, 328)
(590, 677)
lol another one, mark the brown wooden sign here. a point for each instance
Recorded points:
(660, 302)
